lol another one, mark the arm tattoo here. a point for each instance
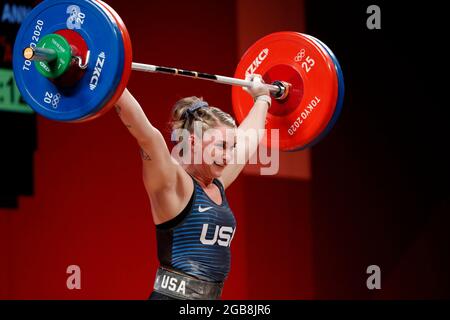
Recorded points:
(119, 111)
(145, 156)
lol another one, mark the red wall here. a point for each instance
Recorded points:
(90, 208)
(4, 255)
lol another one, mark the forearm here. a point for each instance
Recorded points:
(256, 118)
(249, 137)
(252, 128)
(133, 117)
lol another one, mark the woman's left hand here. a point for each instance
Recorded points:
(258, 88)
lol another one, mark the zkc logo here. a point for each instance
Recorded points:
(97, 71)
(258, 61)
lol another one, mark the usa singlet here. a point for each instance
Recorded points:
(197, 241)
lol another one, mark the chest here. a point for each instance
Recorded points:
(214, 194)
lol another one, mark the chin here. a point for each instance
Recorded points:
(217, 170)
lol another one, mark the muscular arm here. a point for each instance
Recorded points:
(255, 120)
(159, 171)
(133, 117)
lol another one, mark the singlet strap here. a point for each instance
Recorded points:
(220, 185)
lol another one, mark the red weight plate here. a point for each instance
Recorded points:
(128, 60)
(291, 57)
(79, 48)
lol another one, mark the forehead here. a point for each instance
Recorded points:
(221, 133)
(226, 130)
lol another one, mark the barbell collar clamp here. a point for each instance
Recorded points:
(82, 65)
(283, 91)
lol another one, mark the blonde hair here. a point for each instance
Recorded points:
(209, 116)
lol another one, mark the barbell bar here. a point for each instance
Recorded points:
(62, 36)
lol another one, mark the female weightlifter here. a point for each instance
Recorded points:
(194, 223)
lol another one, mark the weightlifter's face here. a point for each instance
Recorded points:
(217, 150)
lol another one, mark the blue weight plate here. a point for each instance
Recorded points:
(119, 76)
(102, 76)
(340, 99)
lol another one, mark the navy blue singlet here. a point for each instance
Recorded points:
(197, 241)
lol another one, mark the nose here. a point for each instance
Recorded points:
(226, 158)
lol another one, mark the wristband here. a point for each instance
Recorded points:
(264, 98)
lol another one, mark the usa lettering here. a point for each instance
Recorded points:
(222, 235)
(173, 285)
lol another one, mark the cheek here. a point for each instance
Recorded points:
(229, 155)
(210, 153)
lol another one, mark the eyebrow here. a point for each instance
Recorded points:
(224, 142)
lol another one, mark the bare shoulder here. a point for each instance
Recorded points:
(170, 172)
(169, 201)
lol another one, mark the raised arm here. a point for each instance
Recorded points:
(159, 170)
(255, 121)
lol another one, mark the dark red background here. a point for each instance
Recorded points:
(90, 208)
(377, 194)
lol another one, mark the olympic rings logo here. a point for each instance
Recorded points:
(300, 55)
(55, 100)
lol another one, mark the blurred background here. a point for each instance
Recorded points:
(375, 191)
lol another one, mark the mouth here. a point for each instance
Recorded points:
(219, 165)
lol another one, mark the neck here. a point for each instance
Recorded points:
(199, 176)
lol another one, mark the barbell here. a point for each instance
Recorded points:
(72, 60)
